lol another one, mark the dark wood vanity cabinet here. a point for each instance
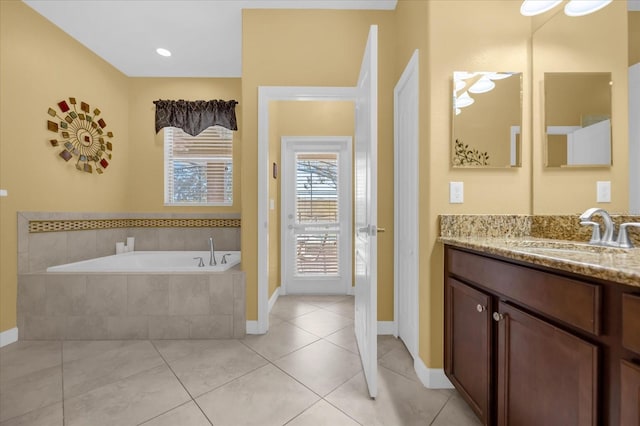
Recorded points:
(528, 345)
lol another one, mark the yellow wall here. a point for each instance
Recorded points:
(453, 36)
(40, 66)
(145, 186)
(592, 43)
(314, 48)
(298, 118)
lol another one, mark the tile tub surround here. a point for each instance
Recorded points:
(54, 306)
(39, 250)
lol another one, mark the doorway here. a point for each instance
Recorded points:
(316, 215)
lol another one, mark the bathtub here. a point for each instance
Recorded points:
(153, 261)
(137, 295)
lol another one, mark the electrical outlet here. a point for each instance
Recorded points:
(603, 191)
(456, 192)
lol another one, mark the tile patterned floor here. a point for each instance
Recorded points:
(304, 372)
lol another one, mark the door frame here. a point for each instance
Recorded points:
(344, 146)
(267, 94)
(409, 75)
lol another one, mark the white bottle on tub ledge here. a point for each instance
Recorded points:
(120, 248)
(131, 241)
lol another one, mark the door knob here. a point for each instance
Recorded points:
(497, 317)
(480, 308)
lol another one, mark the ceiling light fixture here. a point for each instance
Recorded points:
(584, 7)
(572, 8)
(536, 7)
(483, 85)
(163, 52)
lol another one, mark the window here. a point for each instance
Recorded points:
(198, 170)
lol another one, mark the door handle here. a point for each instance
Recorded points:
(381, 230)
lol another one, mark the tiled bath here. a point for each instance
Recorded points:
(75, 306)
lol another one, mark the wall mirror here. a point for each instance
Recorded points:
(487, 119)
(578, 119)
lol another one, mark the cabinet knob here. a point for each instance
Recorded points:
(497, 316)
(480, 308)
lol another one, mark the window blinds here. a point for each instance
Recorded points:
(199, 169)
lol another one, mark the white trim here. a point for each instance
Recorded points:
(8, 336)
(351, 290)
(274, 297)
(387, 328)
(252, 328)
(514, 131)
(634, 137)
(432, 378)
(267, 94)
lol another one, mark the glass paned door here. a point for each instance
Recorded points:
(315, 212)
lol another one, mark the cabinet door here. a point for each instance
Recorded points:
(468, 345)
(539, 362)
(629, 394)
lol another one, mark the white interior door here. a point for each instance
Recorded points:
(316, 215)
(366, 151)
(406, 205)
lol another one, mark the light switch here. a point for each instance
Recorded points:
(456, 192)
(603, 191)
(4, 193)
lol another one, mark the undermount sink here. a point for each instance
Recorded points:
(556, 247)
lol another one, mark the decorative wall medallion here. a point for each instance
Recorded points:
(81, 134)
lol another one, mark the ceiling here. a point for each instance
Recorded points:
(204, 36)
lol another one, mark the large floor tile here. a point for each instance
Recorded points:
(127, 402)
(288, 307)
(345, 308)
(400, 361)
(123, 360)
(50, 415)
(400, 401)
(321, 366)
(321, 322)
(280, 340)
(215, 363)
(24, 357)
(30, 392)
(73, 350)
(387, 343)
(456, 413)
(345, 338)
(188, 414)
(264, 397)
(323, 414)
(323, 301)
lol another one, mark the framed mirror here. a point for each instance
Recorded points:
(577, 107)
(487, 119)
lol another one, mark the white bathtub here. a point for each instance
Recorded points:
(152, 261)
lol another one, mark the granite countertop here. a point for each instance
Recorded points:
(607, 263)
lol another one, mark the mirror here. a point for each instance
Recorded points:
(487, 119)
(577, 119)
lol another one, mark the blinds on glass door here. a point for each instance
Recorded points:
(199, 169)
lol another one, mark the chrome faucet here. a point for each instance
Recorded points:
(212, 259)
(609, 227)
(623, 236)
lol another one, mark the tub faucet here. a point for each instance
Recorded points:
(212, 259)
(609, 227)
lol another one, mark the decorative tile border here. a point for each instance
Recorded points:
(37, 226)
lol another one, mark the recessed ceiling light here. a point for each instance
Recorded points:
(163, 52)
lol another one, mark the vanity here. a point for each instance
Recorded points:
(543, 332)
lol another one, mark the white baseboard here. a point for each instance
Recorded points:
(432, 378)
(351, 291)
(386, 328)
(9, 336)
(252, 327)
(274, 298)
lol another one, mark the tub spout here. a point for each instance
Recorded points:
(212, 259)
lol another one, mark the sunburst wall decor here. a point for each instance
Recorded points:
(81, 134)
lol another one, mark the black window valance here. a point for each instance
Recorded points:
(195, 116)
